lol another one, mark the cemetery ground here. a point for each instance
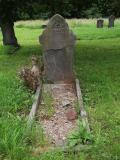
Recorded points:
(96, 65)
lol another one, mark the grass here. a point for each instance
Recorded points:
(97, 63)
(48, 107)
(16, 101)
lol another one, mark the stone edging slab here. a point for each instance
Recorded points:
(83, 113)
(36, 103)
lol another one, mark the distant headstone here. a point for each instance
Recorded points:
(111, 21)
(58, 48)
(44, 26)
(100, 23)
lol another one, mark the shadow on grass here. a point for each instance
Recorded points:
(24, 50)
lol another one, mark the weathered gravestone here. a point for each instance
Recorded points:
(100, 23)
(111, 21)
(58, 48)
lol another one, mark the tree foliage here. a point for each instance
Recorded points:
(34, 9)
(12, 10)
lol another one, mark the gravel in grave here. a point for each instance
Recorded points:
(63, 121)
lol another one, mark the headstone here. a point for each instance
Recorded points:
(100, 23)
(58, 49)
(111, 21)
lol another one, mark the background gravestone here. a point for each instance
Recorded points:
(111, 21)
(100, 23)
(58, 48)
(44, 26)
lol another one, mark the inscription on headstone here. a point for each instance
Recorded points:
(111, 21)
(100, 23)
(58, 48)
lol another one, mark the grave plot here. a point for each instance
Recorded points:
(58, 48)
(60, 92)
(58, 126)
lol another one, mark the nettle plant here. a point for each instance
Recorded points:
(80, 136)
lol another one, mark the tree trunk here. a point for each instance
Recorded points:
(9, 34)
